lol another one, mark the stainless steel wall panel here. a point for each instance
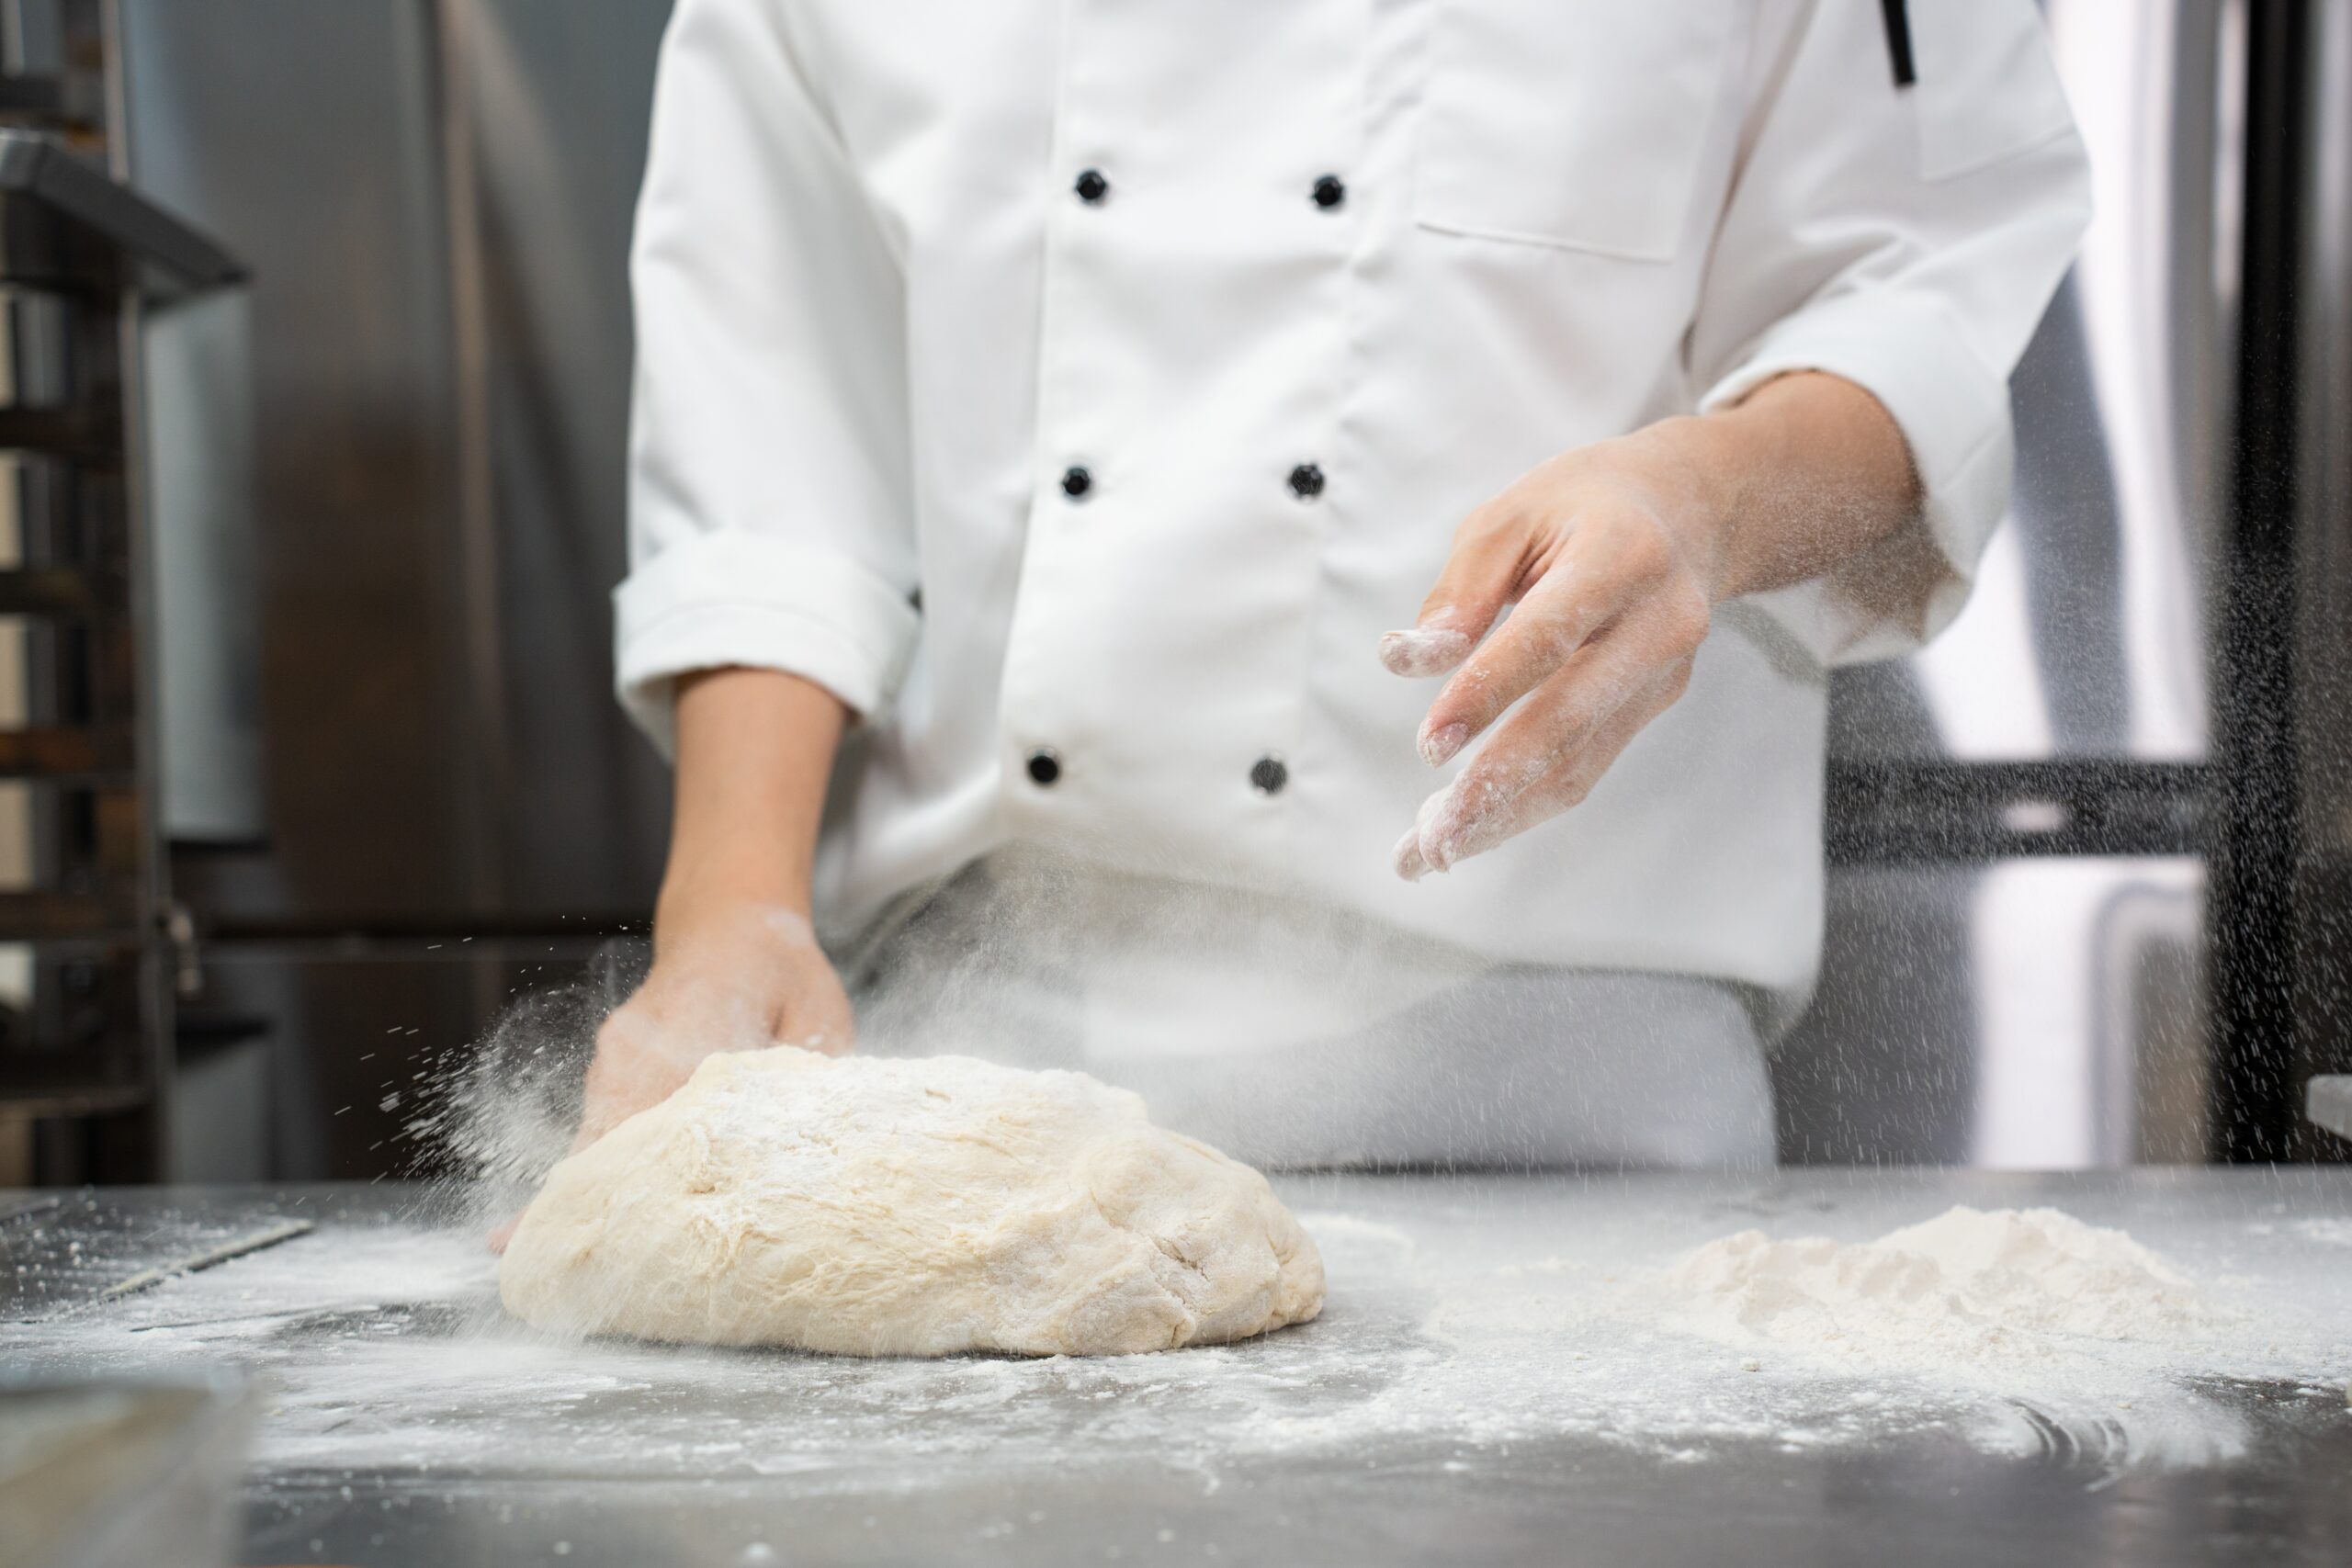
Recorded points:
(2324, 710)
(304, 136)
(2040, 1014)
(2326, 540)
(435, 200)
(560, 94)
(209, 630)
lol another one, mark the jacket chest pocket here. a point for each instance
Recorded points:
(1575, 123)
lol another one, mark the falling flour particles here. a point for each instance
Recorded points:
(1475, 1326)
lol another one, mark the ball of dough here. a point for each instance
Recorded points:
(923, 1207)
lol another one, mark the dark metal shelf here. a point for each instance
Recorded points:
(60, 591)
(170, 256)
(78, 98)
(99, 753)
(66, 431)
(41, 1084)
(1909, 812)
(43, 916)
(88, 258)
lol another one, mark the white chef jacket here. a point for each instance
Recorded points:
(1079, 389)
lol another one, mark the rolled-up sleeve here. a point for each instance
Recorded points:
(1909, 239)
(770, 517)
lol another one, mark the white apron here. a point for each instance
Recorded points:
(1291, 1035)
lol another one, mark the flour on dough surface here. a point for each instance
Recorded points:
(917, 1207)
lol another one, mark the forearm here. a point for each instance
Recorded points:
(755, 750)
(735, 965)
(1806, 471)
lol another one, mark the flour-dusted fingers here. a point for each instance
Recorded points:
(1431, 649)
(1555, 721)
(728, 976)
(626, 1075)
(651, 1045)
(1407, 856)
(818, 1018)
(1617, 565)
(1457, 822)
(1565, 786)
(1484, 570)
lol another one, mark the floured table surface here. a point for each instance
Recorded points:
(1493, 1380)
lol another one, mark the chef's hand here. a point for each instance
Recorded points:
(735, 965)
(1611, 559)
(728, 974)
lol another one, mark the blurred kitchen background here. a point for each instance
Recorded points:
(312, 502)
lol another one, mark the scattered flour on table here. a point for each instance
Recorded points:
(1459, 1337)
(2327, 1231)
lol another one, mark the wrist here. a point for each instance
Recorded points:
(692, 896)
(1694, 488)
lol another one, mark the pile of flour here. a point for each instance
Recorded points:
(1968, 1291)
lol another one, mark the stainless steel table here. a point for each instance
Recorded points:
(1480, 1390)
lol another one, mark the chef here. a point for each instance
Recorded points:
(1289, 554)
